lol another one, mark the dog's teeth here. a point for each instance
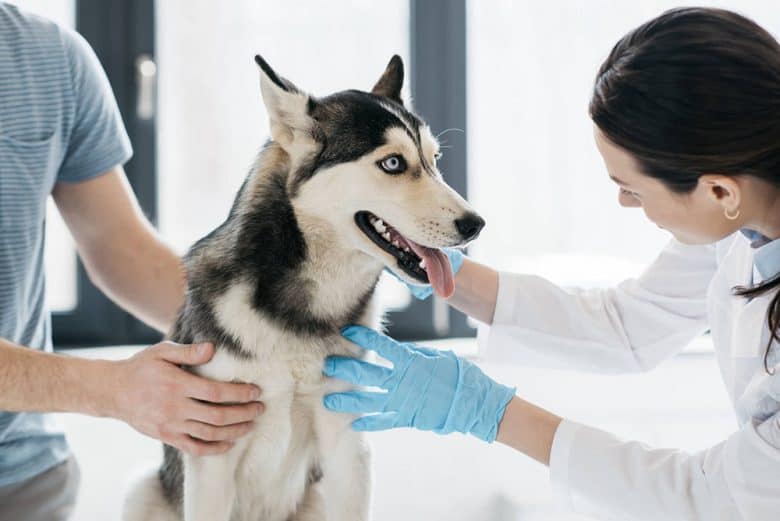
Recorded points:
(406, 249)
(396, 244)
(386, 236)
(380, 222)
(380, 227)
(422, 264)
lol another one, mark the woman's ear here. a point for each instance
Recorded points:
(723, 190)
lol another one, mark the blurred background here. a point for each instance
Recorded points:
(507, 84)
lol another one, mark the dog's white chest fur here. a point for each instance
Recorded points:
(296, 441)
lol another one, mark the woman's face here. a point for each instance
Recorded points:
(693, 218)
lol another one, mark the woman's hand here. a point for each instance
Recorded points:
(158, 398)
(426, 389)
(456, 258)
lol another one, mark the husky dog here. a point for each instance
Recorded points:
(346, 187)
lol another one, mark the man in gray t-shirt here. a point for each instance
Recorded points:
(62, 135)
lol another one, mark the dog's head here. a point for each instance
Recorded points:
(365, 164)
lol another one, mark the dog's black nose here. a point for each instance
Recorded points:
(470, 225)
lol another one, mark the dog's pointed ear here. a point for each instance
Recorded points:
(288, 107)
(392, 80)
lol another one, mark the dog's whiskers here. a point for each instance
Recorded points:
(447, 130)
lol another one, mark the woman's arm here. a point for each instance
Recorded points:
(476, 288)
(596, 473)
(528, 429)
(592, 471)
(630, 327)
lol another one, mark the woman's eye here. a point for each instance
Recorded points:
(629, 192)
(394, 164)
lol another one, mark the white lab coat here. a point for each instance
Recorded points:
(634, 327)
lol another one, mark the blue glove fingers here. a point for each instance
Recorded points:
(367, 338)
(456, 259)
(356, 371)
(427, 351)
(420, 292)
(356, 402)
(375, 422)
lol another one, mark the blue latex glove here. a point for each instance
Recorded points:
(423, 292)
(426, 389)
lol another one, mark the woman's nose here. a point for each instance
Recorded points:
(628, 201)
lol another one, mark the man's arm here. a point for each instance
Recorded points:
(127, 260)
(149, 391)
(33, 380)
(120, 249)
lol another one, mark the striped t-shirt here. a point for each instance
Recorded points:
(59, 123)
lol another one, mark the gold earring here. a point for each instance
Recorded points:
(729, 216)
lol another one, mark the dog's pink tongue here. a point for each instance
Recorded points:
(438, 267)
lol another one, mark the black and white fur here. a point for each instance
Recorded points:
(273, 285)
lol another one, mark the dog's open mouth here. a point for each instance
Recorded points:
(427, 265)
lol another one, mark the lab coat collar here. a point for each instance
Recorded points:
(767, 253)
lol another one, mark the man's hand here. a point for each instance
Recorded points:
(155, 396)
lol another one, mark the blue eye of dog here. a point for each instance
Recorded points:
(394, 164)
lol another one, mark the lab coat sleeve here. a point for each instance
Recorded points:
(595, 473)
(631, 327)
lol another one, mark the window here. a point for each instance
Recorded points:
(212, 120)
(513, 78)
(534, 171)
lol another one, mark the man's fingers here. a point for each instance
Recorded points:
(205, 432)
(355, 402)
(185, 354)
(200, 448)
(357, 371)
(220, 415)
(219, 392)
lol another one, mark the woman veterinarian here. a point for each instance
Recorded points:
(686, 113)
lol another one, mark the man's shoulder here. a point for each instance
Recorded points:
(22, 28)
(37, 49)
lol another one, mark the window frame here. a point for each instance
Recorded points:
(437, 29)
(119, 31)
(122, 30)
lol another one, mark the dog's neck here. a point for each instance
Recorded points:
(305, 276)
(339, 275)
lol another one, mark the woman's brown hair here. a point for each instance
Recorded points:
(695, 91)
